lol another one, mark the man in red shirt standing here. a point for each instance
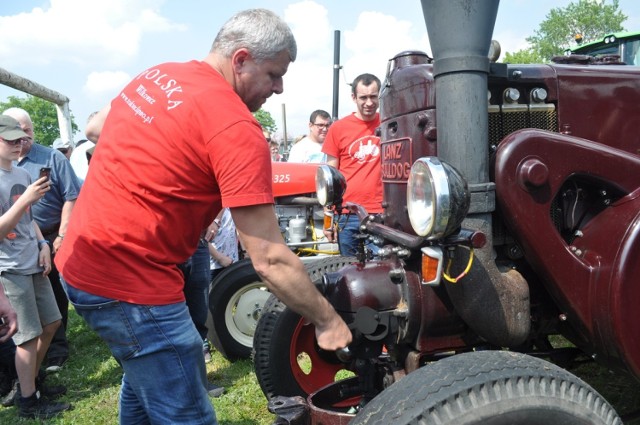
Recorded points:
(177, 144)
(353, 148)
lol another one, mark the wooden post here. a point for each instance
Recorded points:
(61, 101)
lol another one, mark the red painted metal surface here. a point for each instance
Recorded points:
(321, 371)
(600, 103)
(322, 405)
(292, 179)
(594, 279)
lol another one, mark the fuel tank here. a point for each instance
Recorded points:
(407, 129)
(290, 178)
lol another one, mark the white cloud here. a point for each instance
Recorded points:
(80, 31)
(309, 22)
(370, 51)
(108, 82)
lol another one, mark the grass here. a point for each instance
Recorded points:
(92, 377)
(622, 391)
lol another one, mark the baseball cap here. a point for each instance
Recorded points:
(61, 144)
(10, 128)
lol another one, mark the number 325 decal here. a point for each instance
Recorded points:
(281, 178)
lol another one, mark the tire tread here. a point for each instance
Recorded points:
(445, 392)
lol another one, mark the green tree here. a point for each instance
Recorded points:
(43, 114)
(589, 18)
(266, 120)
(523, 56)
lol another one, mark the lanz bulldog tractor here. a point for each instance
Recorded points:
(511, 215)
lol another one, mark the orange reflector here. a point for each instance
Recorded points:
(431, 265)
(328, 220)
(429, 268)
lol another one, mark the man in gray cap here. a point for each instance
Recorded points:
(63, 146)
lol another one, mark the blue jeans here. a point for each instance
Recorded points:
(197, 275)
(164, 380)
(348, 229)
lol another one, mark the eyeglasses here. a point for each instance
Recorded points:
(12, 142)
(321, 126)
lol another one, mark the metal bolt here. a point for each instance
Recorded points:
(539, 95)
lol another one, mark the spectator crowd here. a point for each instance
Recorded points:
(140, 233)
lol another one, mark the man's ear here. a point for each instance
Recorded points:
(239, 58)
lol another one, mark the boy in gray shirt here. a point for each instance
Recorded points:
(25, 261)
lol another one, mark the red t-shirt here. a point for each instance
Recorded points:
(357, 148)
(177, 143)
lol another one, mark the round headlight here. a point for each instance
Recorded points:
(437, 198)
(330, 185)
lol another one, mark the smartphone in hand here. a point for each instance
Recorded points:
(45, 172)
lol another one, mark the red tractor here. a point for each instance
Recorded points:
(511, 215)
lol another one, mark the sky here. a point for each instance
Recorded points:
(89, 49)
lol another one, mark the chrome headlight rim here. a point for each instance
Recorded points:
(437, 198)
(330, 185)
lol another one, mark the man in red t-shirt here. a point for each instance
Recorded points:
(353, 148)
(177, 144)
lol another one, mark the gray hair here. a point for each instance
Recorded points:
(18, 114)
(260, 31)
(91, 115)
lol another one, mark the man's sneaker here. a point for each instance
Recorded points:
(206, 350)
(8, 399)
(38, 407)
(214, 390)
(55, 364)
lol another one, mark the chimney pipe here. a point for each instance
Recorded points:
(493, 303)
